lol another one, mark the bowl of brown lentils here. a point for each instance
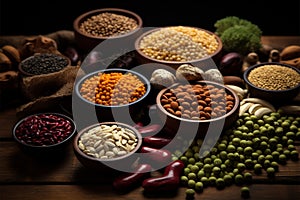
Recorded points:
(113, 94)
(273, 81)
(196, 107)
(176, 45)
(95, 26)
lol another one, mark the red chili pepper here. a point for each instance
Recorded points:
(128, 181)
(169, 181)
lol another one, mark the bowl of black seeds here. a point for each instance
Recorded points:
(43, 63)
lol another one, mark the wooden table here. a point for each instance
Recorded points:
(26, 177)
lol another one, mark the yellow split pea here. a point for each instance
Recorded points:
(113, 88)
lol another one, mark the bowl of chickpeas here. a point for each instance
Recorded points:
(113, 94)
(276, 82)
(173, 46)
(197, 107)
(95, 26)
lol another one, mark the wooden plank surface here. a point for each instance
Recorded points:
(24, 176)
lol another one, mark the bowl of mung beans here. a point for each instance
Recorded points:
(176, 45)
(276, 82)
(196, 107)
(95, 26)
(114, 94)
(107, 146)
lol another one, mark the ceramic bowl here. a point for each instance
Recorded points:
(87, 41)
(126, 112)
(44, 132)
(204, 62)
(197, 122)
(276, 96)
(101, 146)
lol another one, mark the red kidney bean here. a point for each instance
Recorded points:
(44, 129)
(169, 181)
(149, 130)
(157, 155)
(156, 142)
(128, 181)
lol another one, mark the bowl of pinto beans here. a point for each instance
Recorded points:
(112, 94)
(195, 108)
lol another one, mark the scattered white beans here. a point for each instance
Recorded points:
(107, 141)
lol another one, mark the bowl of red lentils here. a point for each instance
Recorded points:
(176, 45)
(273, 81)
(95, 26)
(196, 107)
(114, 94)
(107, 146)
(46, 132)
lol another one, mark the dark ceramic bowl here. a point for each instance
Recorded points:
(86, 42)
(177, 124)
(44, 132)
(203, 63)
(95, 159)
(273, 96)
(128, 112)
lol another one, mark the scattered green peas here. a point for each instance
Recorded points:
(190, 193)
(245, 192)
(199, 187)
(191, 183)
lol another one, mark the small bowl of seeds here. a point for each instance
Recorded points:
(108, 146)
(42, 133)
(176, 45)
(43, 63)
(273, 81)
(95, 26)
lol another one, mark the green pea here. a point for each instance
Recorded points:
(249, 124)
(191, 183)
(184, 159)
(248, 177)
(291, 135)
(207, 168)
(282, 158)
(228, 179)
(241, 167)
(205, 181)
(263, 145)
(258, 168)
(199, 187)
(192, 160)
(200, 174)
(217, 162)
(190, 193)
(223, 155)
(212, 180)
(248, 150)
(260, 122)
(199, 164)
(294, 155)
(275, 155)
(186, 171)
(297, 136)
(207, 160)
(184, 180)
(249, 163)
(261, 159)
(221, 147)
(245, 192)
(216, 170)
(279, 131)
(236, 141)
(239, 179)
(220, 183)
(275, 165)
(267, 164)
(192, 176)
(231, 148)
(270, 172)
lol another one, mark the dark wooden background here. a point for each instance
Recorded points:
(41, 17)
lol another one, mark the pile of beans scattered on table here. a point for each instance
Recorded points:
(113, 88)
(108, 24)
(44, 63)
(178, 43)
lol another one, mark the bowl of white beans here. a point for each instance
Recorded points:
(173, 46)
(108, 146)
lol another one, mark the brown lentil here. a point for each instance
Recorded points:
(197, 102)
(113, 88)
(178, 43)
(108, 24)
(274, 77)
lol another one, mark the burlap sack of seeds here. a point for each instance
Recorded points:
(46, 90)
